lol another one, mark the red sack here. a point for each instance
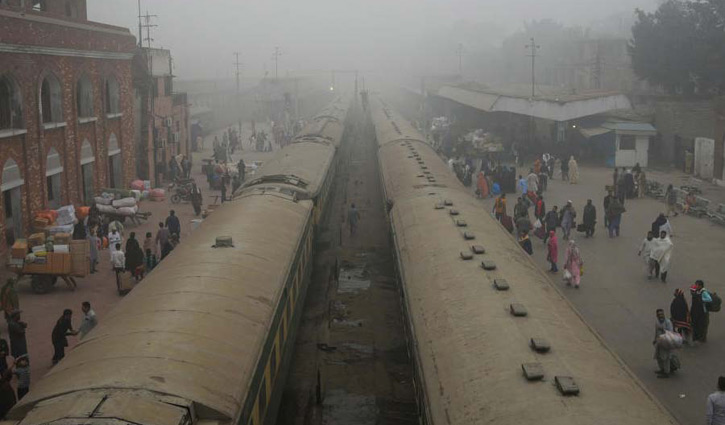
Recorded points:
(137, 185)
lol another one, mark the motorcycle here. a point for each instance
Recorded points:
(182, 192)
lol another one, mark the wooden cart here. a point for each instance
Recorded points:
(66, 266)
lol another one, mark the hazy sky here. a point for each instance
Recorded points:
(317, 35)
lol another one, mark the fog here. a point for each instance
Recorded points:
(374, 36)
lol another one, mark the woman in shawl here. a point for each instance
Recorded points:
(134, 256)
(680, 315)
(552, 245)
(573, 171)
(658, 223)
(482, 185)
(641, 184)
(573, 264)
(661, 253)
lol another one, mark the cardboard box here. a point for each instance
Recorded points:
(36, 239)
(61, 238)
(60, 263)
(19, 249)
(80, 258)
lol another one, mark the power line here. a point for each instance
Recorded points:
(237, 66)
(148, 25)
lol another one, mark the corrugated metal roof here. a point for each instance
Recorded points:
(594, 131)
(630, 126)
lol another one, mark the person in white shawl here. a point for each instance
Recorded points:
(661, 253)
(573, 171)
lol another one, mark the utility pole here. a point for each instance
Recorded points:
(597, 69)
(460, 60)
(151, 93)
(533, 47)
(237, 66)
(276, 56)
(140, 26)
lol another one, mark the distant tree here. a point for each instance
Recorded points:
(681, 46)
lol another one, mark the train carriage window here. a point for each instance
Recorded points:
(262, 398)
(273, 363)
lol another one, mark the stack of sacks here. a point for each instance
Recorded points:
(44, 219)
(157, 195)
(36, 242)
(125, 207)
(104, 203)
(65, 221)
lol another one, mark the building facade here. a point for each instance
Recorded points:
(162, 115)
(66, 109)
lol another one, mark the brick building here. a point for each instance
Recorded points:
(66, 109)
(162, 115)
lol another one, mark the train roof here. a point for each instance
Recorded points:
(470, 348)
(410, 168)
(302, 167)
(194, 328)
(390, 126)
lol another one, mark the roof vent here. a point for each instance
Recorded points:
(501, 284)
(533, 371)
(223, 242)
(461, 223)
(488, 265)
(469, 236)
(448, 202)
(452, 211)
(439, 205)
(566, 385)
(518, 310)
(540, 345)
(466, 255)
(478, 249)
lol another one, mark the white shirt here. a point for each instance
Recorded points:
(89, 322)
(715, 412)
(118, 259)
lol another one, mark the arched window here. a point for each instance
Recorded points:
(51, 107)
(84, 97)
(112, 96)
(11, 111)
(40, 5)
(12, 183)
(115, 178)
(53, 170)
(87, 160)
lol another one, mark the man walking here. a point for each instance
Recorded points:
(173, 224)
(645, 251)
(16, 332)
(551, 220)
(568, 216)
(607, 201)
(353, 216)
(662, 354)
(63, 328)
(590, 218)
(662, 254)
(162, 236)
(715, 412)
(699, 310)
(499, 207)
(614, 214)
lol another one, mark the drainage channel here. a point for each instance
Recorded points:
(351, 364)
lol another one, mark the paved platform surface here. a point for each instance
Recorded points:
(619, 301)
(42, 311)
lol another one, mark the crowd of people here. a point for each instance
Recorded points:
(18, 365)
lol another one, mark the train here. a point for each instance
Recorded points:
(207, 337)
(491, 338)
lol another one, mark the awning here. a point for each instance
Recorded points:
(594, 131)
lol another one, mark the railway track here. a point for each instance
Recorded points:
(351, 364)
